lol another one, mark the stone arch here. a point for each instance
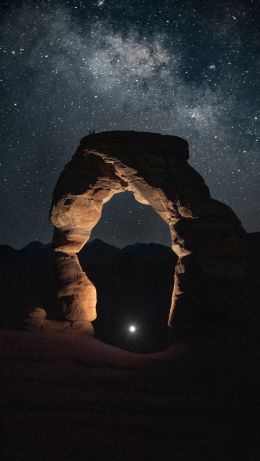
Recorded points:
(206, 235)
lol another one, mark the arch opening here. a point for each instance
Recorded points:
(124, 221)
(206, 235)
(134, 283)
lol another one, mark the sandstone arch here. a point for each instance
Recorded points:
(206, 234)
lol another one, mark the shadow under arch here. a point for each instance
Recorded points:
(206, 235)
(133, 284)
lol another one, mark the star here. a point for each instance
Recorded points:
(68, 69)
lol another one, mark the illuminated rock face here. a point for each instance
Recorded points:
(206, 235)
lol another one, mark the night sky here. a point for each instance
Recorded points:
(186, 68)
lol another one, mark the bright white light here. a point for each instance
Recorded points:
(132, 329)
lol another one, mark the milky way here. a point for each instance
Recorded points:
(182, 68)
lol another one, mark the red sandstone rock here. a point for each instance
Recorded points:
(206, 234)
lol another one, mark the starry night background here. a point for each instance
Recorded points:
(187, 68)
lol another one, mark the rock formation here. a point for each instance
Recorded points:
(206, 235)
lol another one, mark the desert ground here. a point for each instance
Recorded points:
(72, 397)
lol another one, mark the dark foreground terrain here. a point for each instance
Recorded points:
(67, 396)
(71, 397)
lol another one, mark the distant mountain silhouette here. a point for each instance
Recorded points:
(146, 249)
(7, 253)
(98, 249)
(36, 245)
(134, 285)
